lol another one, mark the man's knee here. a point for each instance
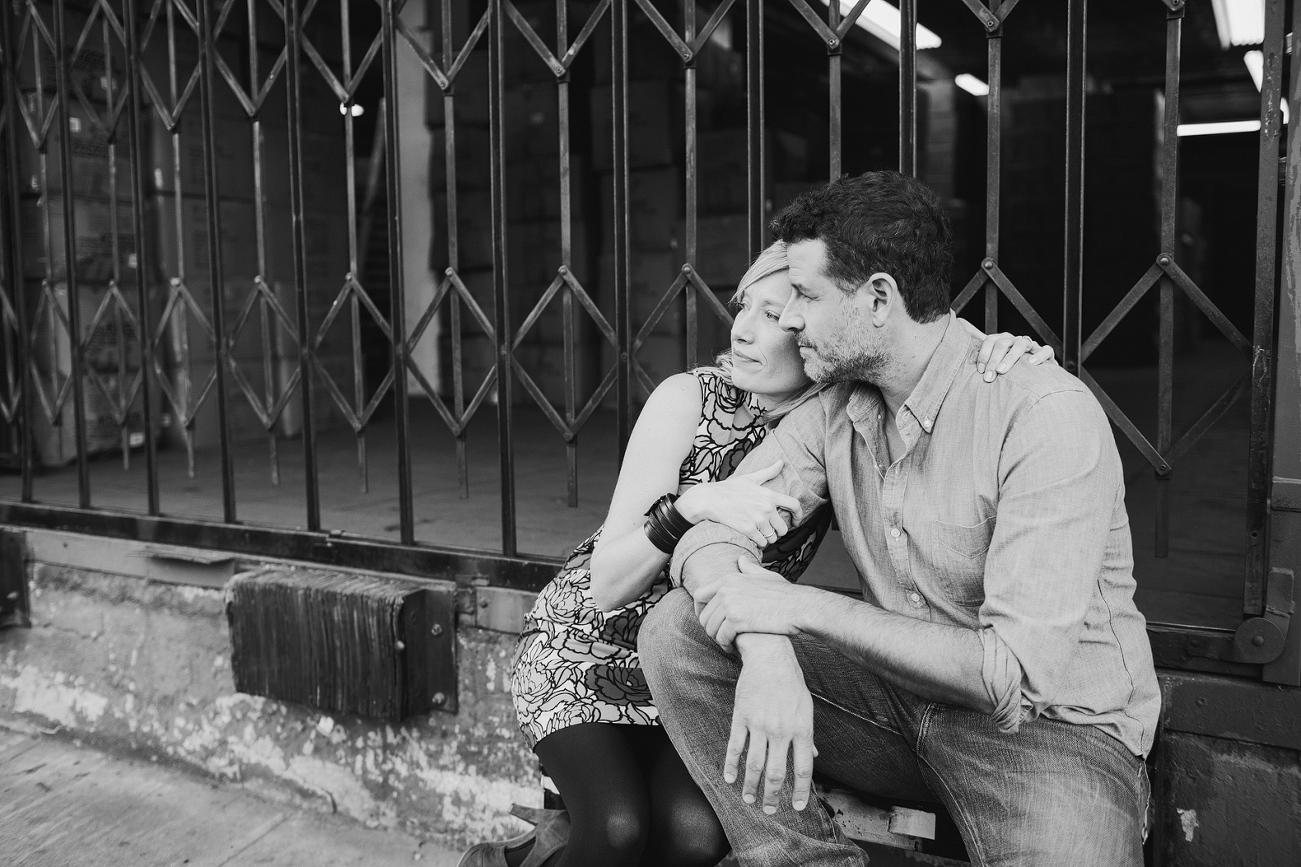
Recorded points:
(660, 639)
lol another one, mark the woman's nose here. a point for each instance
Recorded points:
(740, 328)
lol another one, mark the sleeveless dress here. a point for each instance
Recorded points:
(576, 664)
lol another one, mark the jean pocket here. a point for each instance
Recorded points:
(958, 554)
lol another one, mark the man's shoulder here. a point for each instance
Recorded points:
(1034, 390)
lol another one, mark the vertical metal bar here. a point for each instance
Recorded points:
(135, 142)
(70, 242)
(693, 163)
(1166, 290)
(268, 324)
(566, 256)
(1076, 84)
(993, 167)
(393, 175)
(500, 284)
(908, 87)
(453, 260)
(354, 274)
(11, 96)
(619, 169)
(754, 119)
(1262, 361)
(305, 380)
(207, 101)
(834, 58)
(1285, 516)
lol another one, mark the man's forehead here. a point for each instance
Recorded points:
(805, 259)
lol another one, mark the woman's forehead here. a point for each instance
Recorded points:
(773, 288)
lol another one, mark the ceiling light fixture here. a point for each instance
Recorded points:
(884, 22)
(971, 84)
(1223, 127)
(1255, 61)
(1239, 22)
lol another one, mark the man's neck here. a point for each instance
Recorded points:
(909, 358)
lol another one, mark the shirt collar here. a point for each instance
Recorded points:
(952, 353)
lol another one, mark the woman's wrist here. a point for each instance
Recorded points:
(688, 504)
(665, 525)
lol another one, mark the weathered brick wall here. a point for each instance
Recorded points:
(142, 666)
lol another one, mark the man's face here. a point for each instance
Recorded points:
(837, 339)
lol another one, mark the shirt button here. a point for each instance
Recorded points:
(895, 532)
(914, 597)
(926, 424)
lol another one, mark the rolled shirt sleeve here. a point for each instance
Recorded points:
(709, 547)
(1059, 478)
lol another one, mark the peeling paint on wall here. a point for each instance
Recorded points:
(144, 666)
(1188, 821)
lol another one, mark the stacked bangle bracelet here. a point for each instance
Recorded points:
(665, 524)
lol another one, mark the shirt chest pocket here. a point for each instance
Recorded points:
(958, 555)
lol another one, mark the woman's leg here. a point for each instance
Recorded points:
(684, 831)
(595, 766)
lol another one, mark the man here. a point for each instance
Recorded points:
(996, 662)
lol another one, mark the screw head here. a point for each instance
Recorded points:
(438, 628)
(1164, 260)
(439, 698)
(686, 269)
(988, 264)
(1258, 640)
(563, 269)
(833, 42)
(399, 646)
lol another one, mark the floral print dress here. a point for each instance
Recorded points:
(576, 664)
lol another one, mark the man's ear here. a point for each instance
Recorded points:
(882, 294)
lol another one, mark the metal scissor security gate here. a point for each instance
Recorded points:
(207, 232)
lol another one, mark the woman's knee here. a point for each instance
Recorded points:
(617, 837)
(694, 838)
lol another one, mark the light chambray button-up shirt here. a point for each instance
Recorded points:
(1005, 514)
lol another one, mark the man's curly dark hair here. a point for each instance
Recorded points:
(878, 221)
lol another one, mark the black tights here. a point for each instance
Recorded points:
(630, 798)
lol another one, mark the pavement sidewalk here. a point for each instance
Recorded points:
(63, 805)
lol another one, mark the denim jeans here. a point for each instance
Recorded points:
(1052, 793)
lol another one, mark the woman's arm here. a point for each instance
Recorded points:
(625, 562)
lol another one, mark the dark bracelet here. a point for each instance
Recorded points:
(664, 524)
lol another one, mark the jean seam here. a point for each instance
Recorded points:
(959, 814)
(855, 715)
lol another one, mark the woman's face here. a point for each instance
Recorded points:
(765, 358)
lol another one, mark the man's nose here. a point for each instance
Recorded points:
(790, 320)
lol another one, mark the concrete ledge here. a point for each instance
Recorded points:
(139, 664)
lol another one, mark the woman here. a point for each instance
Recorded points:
(579, 692)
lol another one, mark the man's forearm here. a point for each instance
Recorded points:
(931, 660)
(707, 563)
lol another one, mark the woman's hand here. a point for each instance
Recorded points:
(743, 504)
(1000, 351)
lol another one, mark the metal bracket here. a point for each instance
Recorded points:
(1262, 640)
(15, 610)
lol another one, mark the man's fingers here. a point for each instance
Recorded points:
(735, 745)
(775, 775)
(755, 760)
(803, 753)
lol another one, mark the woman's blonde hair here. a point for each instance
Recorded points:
(771, 260)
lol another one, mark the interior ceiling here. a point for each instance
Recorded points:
(1126, 49)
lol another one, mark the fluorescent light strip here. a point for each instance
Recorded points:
(884, 22)
(971, 84)
(1218, 128)
(1239, 22)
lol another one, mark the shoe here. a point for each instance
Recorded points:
(549, 835)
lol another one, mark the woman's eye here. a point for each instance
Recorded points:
(774, 315)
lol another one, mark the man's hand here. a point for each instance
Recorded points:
(774, 712)
(752, 599)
